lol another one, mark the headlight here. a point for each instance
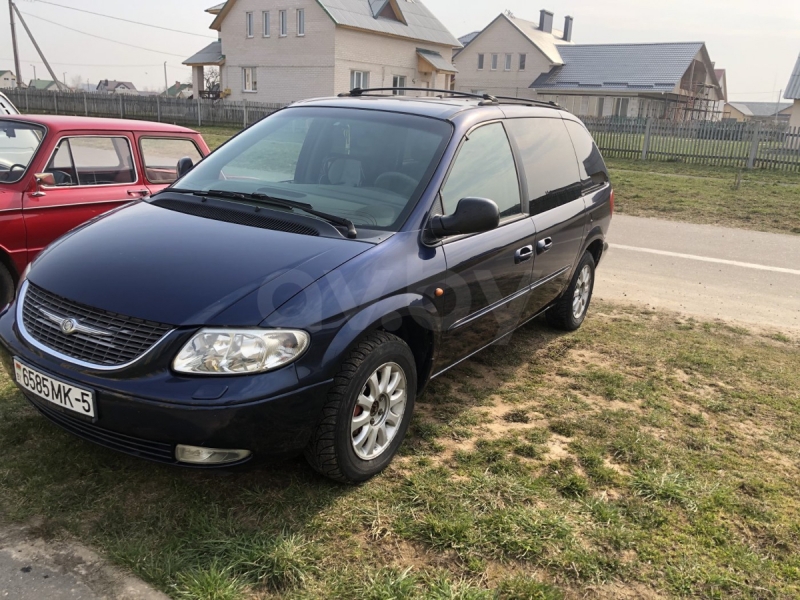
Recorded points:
(240, 351)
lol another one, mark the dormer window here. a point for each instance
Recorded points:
(388, 9)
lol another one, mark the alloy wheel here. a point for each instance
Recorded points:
(583, 286)
(379, 411)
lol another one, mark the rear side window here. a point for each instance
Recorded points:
(161, 156)
(549, 162)
(484, 168)
(590, 162)
(92, 161)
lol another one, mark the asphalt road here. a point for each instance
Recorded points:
(703, 270)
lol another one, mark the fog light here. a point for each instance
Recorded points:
(208, 456)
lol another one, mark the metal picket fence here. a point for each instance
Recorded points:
(180, 111)
(749, 145)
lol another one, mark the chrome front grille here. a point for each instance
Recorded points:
(92, 336)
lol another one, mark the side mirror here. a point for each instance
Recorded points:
(46, 179)
(184, 166)
(472, 215)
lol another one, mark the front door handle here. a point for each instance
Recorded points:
(544, 245)
(523, 254)
(138, 192)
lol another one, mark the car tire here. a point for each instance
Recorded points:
(569, 311)
(6, 286)
(362, 392)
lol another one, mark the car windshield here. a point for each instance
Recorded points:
(369, 167)
(18, 145)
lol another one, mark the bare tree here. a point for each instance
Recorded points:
(211, 78)
(75, 82)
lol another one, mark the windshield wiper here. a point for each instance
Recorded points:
(280, 203)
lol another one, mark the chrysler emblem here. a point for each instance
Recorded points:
(68, 326)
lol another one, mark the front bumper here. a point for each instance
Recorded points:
(150, 412)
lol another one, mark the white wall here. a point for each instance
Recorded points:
(383, 57)
(8, 81)
(794, 121)
(500, 38)
(289, 68)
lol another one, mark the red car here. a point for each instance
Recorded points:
(58, 172)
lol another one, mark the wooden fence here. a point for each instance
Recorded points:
(181, 111)
(729, 144)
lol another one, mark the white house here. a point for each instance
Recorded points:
(7, 80)
(793, 93)
(285, 50)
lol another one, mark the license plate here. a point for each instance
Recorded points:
(62, 394)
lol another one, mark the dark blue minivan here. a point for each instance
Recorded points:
(297, 289)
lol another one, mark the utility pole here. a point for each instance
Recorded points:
(166, 85)
(35, 45)
(14, 43)
(34, 72)
(778, 106)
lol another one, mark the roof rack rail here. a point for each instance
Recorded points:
(356, 92)
(485, 98)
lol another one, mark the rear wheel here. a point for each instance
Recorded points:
(6, 286)
(368, 410)
(570, 309)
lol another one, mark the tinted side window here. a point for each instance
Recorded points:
(549, 162)
(484, 168)
(590, 162)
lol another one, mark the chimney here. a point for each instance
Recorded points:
(567, 29)
(546, 21)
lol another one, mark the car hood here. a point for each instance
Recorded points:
(153, 263)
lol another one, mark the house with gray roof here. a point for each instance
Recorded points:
(284, 50)
(765, 112)
(7, 79)
(110, 86)
(515, 57)
(793, 93)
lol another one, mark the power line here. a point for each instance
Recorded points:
(124, 20)
(184, 67)
(102, 38)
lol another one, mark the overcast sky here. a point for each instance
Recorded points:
(757, 42)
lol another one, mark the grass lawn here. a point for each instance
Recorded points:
(645, 455)
(765, 200)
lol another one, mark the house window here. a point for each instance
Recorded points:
(283, 23)
(600, 106)
(621, 107)
(399, 81)
(249, 80)
(301, 21)
(480, 62)
(508, 62)
(265, 19)
(494, 62)
(522, 60)
(359, 79)
(248, 24)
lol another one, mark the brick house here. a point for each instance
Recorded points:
(285, 50)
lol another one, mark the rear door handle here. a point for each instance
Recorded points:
(523, 254)
(544, 245)
(138, 192)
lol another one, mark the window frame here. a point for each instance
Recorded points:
(72, 157)
(301, 22)
(364, 79)
(253, 80)
(523, 61)
(266, 23)
(395, 78)
(509, 58)
(495, 62)
(249, 24)
(521, 185)
(161, 137)
(283, 23)
(481, 61)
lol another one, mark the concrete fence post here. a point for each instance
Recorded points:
(55, 102)
(158, 108)
(751, 160)
(646, 144)
(244, 113)
(121, 106)
(85, 105)
(27, 108)
(199, 113)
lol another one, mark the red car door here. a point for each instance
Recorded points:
(160, 154)
(90, 173)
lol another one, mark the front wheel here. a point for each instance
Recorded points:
(368, 410)
(570, 309)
